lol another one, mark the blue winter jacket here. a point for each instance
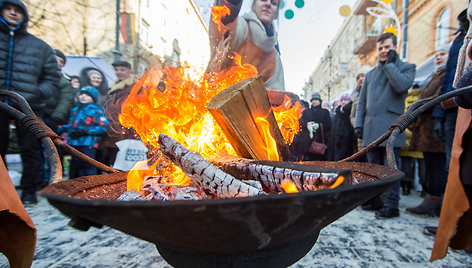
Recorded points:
(88, 117)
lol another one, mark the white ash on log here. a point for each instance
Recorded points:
(272, 173)
(153, 186)
(131, 195)
(208, 176)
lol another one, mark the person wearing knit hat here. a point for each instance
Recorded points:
(87, 123)
(61, 58)
(315, 96)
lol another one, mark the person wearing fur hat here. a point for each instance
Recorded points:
(28, 67)
(87, 123)
(252, 36)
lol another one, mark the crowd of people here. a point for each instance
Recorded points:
(71, 106)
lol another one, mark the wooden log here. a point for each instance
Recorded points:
(208, 176)
(235, 110)
(272, 173)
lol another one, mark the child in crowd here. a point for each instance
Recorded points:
(86, 125)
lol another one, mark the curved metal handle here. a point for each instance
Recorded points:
(47, 141)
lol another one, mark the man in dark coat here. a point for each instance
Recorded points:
(28, 66)
(381, 102)
(117, 94)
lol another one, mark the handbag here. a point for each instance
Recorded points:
(318, 147)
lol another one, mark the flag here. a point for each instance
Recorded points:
(127, 27)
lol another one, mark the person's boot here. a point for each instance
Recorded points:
(427, 207)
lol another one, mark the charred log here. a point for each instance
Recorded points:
(203, 172)
(272, 173)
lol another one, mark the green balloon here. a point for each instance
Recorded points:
(282, 4)
(289, 14)
(299, 3)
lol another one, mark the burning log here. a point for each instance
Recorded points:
(203, 172)
(272, 173)
(236, 108)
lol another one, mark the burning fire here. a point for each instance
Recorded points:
(171, 101)
(174, 101)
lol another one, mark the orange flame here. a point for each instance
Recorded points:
(287, 116)
(289, 186)
(217, 13)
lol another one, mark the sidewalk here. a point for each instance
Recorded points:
(355, 240)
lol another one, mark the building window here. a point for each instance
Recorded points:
(442, 28)
(145, 32)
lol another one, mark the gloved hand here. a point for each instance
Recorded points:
(392, 56)
(312, 127)
(76, 133)
(358, 132)
(438, 130)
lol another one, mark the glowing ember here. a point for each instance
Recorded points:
(338, 182)
(289, 186)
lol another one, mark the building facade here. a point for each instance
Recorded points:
(151, 31)
(431, 24)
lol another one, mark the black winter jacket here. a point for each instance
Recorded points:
(28, 65)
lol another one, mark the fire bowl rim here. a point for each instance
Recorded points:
(395, 175)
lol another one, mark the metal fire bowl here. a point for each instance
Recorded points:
(274, 230)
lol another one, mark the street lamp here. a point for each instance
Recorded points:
(116, 51)
(330, 57)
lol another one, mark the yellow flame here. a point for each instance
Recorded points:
(289, 186)
(136, 176)
(269, 142)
